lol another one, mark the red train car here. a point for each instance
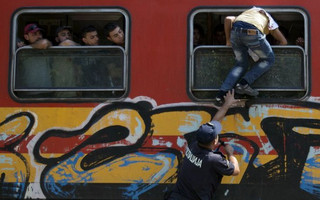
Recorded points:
(113, 121)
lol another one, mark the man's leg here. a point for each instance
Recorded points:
(241, 57)
(266, 55)
(261, 47)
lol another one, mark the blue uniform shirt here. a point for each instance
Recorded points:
(201, 172)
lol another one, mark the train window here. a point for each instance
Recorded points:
(210, 59)
(72, 73)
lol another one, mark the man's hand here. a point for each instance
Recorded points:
(42, 44)
(229, 98)
(229, 150)
(228, 101)
(300, 41)
(68, 43)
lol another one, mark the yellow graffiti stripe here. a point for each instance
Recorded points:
(51, 117)
(75, 118)
(178, 122)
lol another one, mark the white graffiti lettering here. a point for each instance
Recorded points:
(193, 159)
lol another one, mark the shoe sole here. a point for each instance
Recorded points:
(241, 92)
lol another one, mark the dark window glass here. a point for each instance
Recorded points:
(71, 72)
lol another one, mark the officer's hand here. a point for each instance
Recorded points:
(228, 148)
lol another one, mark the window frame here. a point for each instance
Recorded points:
(191, 50)
(63, 10)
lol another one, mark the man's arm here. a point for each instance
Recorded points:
(68, 43)
(276, 33)
(41, 44)
(228, 21)
(228, 101)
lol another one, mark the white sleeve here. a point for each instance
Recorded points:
(272, 24)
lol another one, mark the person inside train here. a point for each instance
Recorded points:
(219, 36)
(198, 35)
(114, 34)
(89, 36)
(96, 71)
(33, 36)
(64, 71)
(64, 36)
(35, 72)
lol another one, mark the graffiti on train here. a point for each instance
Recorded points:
(126, 150)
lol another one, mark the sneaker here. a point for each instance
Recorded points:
(219, 101)
(246, 89)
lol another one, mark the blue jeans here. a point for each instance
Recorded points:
(242, 41)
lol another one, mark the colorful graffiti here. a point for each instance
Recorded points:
(133, 149)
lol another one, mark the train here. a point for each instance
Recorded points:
(125, 137)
